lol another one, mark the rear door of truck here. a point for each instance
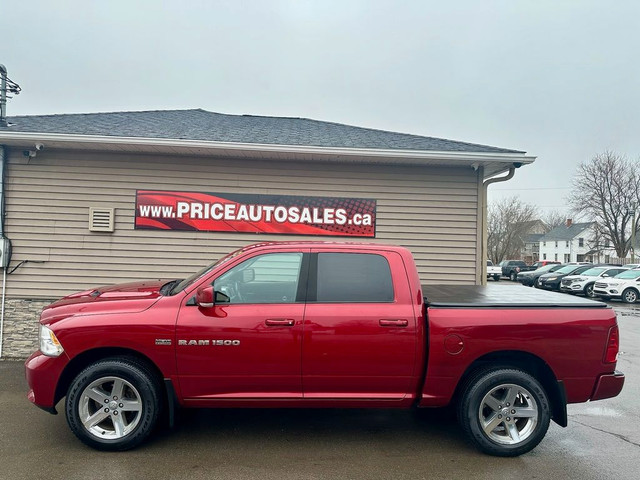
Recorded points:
(360, 333)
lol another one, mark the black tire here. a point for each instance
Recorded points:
(588, 290)
(498, 441)
(630, 295)
(136, 409)
(514, 276)
(496, 278)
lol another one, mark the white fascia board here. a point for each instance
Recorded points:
(476, 158)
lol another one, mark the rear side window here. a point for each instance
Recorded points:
(353, 277)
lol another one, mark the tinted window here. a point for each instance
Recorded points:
(269, 278)
(353, 277)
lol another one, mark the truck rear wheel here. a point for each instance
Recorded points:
(504, 412)
(113, 404)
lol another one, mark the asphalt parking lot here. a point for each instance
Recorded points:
(601, 442)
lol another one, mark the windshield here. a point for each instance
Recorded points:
(546, 268)
(629, 274)
(567, 269)
(593, 272)
(489, 263)
(203, 271)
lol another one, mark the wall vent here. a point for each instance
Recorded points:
(101, 219)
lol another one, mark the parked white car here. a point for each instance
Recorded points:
(493, 271)
(584, 282)
(625, 286)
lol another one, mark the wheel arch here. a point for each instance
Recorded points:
(86, 358)
(528, 363)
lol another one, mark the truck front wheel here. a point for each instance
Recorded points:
(504, 412)
(514, 276)
(113, 404)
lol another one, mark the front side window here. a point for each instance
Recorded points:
(353, 277)
(268, 278)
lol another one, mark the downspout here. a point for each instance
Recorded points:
(2, 239)
(485, 235)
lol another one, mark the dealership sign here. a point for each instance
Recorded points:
(239, 212)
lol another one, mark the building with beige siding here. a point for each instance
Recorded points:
(71, 184)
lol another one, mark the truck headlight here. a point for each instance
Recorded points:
(551, 279)
(49, 344)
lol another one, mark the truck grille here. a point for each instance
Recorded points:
(600, 285)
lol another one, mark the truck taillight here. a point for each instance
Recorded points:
(613, 344)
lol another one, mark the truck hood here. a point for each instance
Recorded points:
(123, 298)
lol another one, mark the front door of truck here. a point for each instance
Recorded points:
(359, 327)
(248, 345)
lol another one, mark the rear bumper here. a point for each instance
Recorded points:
(608, 386)
(42, 374)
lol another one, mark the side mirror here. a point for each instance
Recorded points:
(205, 297)
(605, 275)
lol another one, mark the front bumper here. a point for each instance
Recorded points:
(572, 288)
(608, 386)
(42, 374)
(549, 285)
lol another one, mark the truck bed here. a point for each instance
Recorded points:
(505, 296)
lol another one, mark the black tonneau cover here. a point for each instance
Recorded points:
(515, 296)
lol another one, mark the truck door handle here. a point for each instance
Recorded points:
(279, 322)
(394, 322)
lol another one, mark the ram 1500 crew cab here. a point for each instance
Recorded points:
(321, 325)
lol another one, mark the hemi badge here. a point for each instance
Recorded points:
(163, 341)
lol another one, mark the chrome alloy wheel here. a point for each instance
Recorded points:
(508, 414)
(110, 408)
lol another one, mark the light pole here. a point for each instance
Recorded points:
(633, 235)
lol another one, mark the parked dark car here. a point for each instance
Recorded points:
(511, 268)
(529, 279)
(551, 281)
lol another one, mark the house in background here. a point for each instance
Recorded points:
(531, 249)
(531, 233)
(571, 242)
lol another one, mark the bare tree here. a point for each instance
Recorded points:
(508, 222)
(606, 189)
(554, 218)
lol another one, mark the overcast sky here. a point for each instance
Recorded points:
(558, 79)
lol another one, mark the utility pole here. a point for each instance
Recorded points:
(633, 235)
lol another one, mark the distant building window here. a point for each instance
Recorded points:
(607, 243)
(607, 258)
(580, 258)
(567, 258)
(566, 243)
(556, 257)
(544, 256)
(556, 245)
(581, 242)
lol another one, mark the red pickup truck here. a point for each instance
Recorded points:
(321, 325)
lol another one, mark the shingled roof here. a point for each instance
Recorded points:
(202, 125)
(562, 232)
